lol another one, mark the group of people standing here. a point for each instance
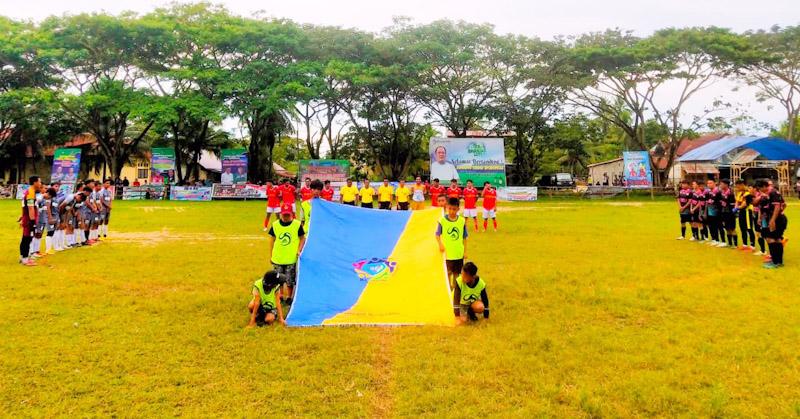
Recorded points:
(287, 237)
(712, 211)
(73, 219)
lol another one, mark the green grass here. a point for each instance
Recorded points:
(596, 311)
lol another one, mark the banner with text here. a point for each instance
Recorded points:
(637, 170)
(246, 191)
(66, 165)
(234, 166)
(332, 170)
(162, 166)
(478, 159)
(190, 193)
(135, 193)
(518, 193)
(7, 191)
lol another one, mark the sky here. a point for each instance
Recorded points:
(543, 19)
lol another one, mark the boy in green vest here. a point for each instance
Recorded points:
(264, 307)
(469, 295)
(451, 233)
(287, 238)
(316, 189)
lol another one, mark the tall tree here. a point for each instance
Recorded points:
(456, 81)
(96, 57)
(777, 73)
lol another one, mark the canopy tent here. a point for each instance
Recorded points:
(743, 153)
(769, 148)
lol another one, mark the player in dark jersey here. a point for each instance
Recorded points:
(773, 222)
(28, 220)
(698, 207)
(684, 197)
(728, 216)
(713, 210)
(744, 212)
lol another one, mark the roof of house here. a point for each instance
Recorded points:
(605, 162)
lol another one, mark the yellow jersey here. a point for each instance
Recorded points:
(367, 194)
(348, 193)
(385, 193)
(402, 193)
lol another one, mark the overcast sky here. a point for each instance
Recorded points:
(543, 19)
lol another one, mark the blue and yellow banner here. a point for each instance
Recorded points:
(371, 267)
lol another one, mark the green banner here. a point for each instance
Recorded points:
(332, 170)
(162, 166)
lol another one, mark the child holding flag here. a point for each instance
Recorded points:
(264, 307)
(469, 296)
(287, 238)
(451, 234)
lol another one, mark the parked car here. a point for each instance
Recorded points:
(564, 179)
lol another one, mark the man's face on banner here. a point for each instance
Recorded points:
(441, 154)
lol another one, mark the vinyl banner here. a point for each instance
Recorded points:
(66, 165)
(478, 159)
(518, 193)
(246, 191)
(162, 166)
(637, 170)
(234, 166)
(190, 193)
(332, 170)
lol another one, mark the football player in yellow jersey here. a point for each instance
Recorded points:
(385, 193)
(402, 193)
(348, 193)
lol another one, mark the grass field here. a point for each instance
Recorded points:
(596, 311)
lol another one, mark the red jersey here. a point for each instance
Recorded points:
(287, 193)
(470, 198)
(274, 196)
(306, 193)
(489, 198)
(435, 191)
(454, 192)
(327, 194)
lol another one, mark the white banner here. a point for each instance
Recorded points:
(518, 193)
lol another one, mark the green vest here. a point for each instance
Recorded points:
(470, 294)
(267, 300)
(306, 205)
(452, 239)
(287, 242)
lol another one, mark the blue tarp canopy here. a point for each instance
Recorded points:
(770, 148)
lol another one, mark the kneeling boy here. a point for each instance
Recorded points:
(264, 307)
(469, 295)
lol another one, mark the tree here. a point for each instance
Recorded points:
(776, 73)
(96, 58)
(456, 81)
(529, 96)
(620, 69)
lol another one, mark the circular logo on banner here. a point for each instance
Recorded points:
(374, 269)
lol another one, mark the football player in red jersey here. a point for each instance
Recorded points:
(470, 202)
(454, 191)
(327, 191)
(306, 193)
(273, 203)
(435, 190)
(489, 205)
(288, 194)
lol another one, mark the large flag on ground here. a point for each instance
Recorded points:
(371, 267)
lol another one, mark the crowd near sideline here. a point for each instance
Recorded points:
(65, 222)
(273, 294)
(712, 211)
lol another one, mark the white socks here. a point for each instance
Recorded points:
(48, 243)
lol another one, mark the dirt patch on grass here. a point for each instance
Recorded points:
(153, 238)
(382, 402)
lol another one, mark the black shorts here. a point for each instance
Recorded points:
(694, 217)
(686, 218)
(729, 221)
(366, 205)
(780, 227)
(288, 272)
(385, 205)
(108, 216)
(455, 266)
(402, 206)
(351, 203)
